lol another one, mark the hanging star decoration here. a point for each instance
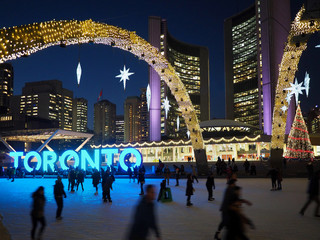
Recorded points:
(188, 134)
(124, 75)
(166, 105)
(307, 83)
(79, 72)
(317, 46)
(288, 98)
(148, 95)
(295, 89)
(284, 108)
(178, 123)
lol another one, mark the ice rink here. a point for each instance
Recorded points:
(85, 216)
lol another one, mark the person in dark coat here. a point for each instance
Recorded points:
(141, 180)
(107, 185)
(189, 190)
(246, 166)
(144, 217)
(313, 192)
(310, 170)
(273, 173)
(177, 176)
(162, 188)
(37, 212)
(253, 169)
(72, 179)
(279, 179)
(210, 184)
(80, 179)
(129, 173)
(167, 174)
(96, 179)
(135, 174)
(59, 193)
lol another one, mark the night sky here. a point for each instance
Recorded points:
(197, 22)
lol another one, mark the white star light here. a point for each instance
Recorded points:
(188, 134)
(296, 89)
(318, 46)
(148, 95)
(307, 83)
(288, 97)
(124, 75)
(79, 71)
(166, 105)
(284, 108)
(178, 123)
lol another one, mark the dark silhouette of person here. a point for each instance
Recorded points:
(129, 173)
(135, 174)
(162, 189)
(72, 179)
(273, 173)
(37, 212)
(253, 169)
(167, 174)
(194, 173)
(177, 176)
(279, 179)
(210, 184)
(96, 179)
(310, 169)
(59, 193)
(80, 179)
(189, 189)
(246, 166)
(107, 185)
(144, 217)
(141, 180)
(313, 194)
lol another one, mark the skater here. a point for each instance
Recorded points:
(210, 184)
(58, 191)
(246, 166)
(107, 185)
(37, 213)
(141, 180)
(80, 179)
(273, 173)
(162, 189)
(72, 179)
(167, 174)
(144, 217)
(279, 179)
(194, 174)
(95, 180)
(313, 192)
(177, 176)
(190, 189)
(135, 174)
(253, 170)
(129, 173)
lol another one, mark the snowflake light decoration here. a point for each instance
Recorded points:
(148, 95)
(295, 89)
(284, 108)
(124, 75)
(178, 123)
(166, 105)
(79, 72)
(307, 83)
(188, 134)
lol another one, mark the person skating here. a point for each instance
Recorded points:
(95, 180)
(72, 179)
(37, 213)
(162, 188)
(279, 179)
(130, 173)
(167, 174)
(145, 217)
(107, 185)
(194, 174)
(273, 173)
(253, 169)
(246, 166)
(313, 194)
(177, 176)
(59, 193)
(190, 189)
(80, 179)
(141, 180)
(210, 184)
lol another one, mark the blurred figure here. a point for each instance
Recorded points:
(313, 192)
(58, 190)
(107, 185)
(210, 184)
(162, 189)
(253, 169)
(177, 176)
(144, 217)
(4, 233)
(194, 174)
(167, 174)
(80, 179)
(37, 212)
(95, 180)
(279, 179)
(310, 169)
(130, 173)
(72, 177)
(246, 166)
(141, 180)
(273, 173)
(189, 190)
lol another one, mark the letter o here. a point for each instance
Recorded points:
(133, 151)
(26, 160)
(69, 154)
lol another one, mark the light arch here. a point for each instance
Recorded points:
(24, 40)
(302, 27)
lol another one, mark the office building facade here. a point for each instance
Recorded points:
(47, 100)
(80, 115)
(105, 122)
(191, 64)
(254, 44)
(132, 124)
(6, 87)
(119, 129)
(144, 116)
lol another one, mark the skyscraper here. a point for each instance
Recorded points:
(119, 129)
(132, 125)
(105, 122)
(6, 87)
(144, 116)
(191, 63)
(80, 115)
(48, 100)
(254, 44)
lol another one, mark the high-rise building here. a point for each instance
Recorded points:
(132, 125)
(6, 87)
(191, 63)
(254, 44)
(48, 100)
(80, 115)
(144, 116)
(105, 122)
(119, 129)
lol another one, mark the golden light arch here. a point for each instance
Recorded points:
(24, 40)
(302, 27)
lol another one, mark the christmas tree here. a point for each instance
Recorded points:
(299, 145)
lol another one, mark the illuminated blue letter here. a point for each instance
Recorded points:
(16, 156)
(48, 158)
(70, 154)
(85, 157)
(109, 152)
(26, 159)
(132, 151)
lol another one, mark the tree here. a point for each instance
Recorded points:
(299, 145)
